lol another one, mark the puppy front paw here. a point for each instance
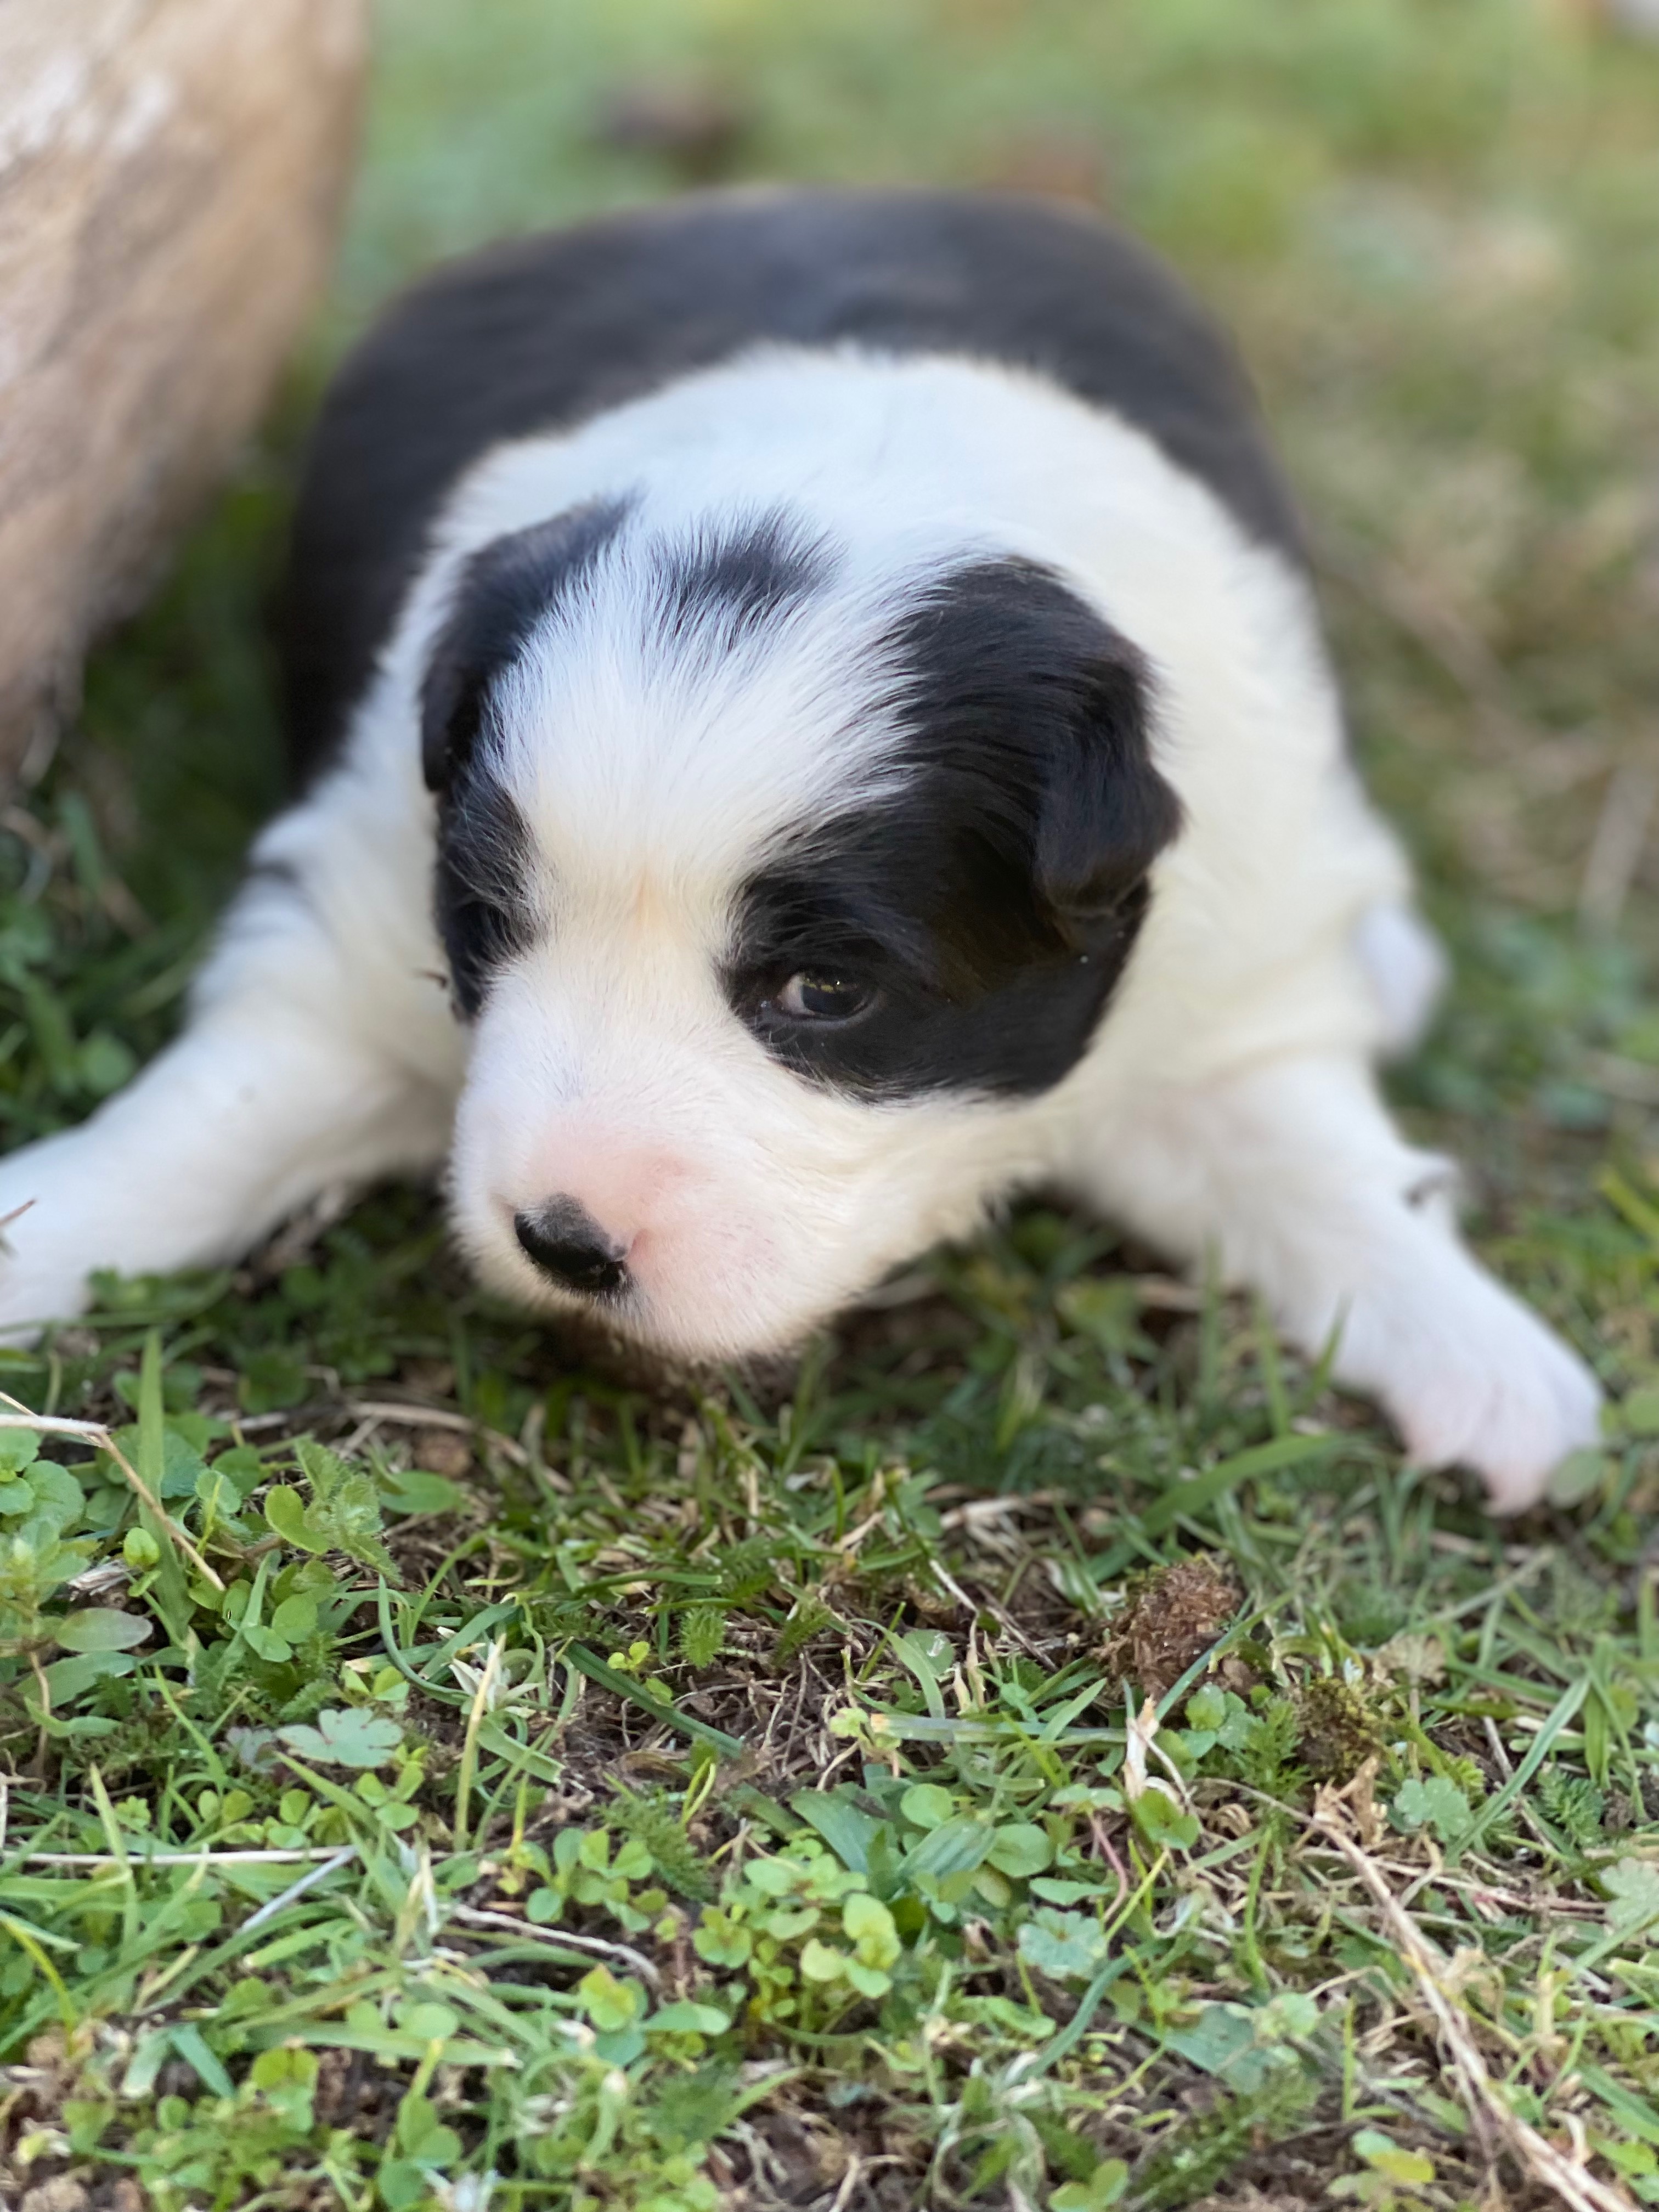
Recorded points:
(32, 1296)
(1494, 1390)
(43, 1267)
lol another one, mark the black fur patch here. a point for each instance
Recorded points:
(546, 332)
(481, 883)
(716, 591)
(504, 592)
(989, 909)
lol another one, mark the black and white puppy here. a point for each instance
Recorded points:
(830, 681)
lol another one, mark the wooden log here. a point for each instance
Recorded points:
(171, 177)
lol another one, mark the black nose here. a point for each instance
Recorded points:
(566, 1242)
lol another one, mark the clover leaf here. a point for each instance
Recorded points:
(343, 1737)
(1438, 1803)
(1065, 1946)
(1633, 1903)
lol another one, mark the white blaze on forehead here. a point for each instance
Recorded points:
(631, 747)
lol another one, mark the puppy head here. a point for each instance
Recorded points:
(779, 884)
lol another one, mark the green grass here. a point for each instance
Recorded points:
(442, 1774)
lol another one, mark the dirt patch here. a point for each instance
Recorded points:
(1169, 1620)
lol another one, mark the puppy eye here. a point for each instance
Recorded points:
(826, 997)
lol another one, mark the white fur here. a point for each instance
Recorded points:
(1227, 1104)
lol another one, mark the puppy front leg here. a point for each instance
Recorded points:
(1293, 1173)
(276, 1091)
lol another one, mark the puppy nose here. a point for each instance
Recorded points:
(565, 1242)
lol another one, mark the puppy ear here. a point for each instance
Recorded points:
(1106, 813)
(1016, 691)
(504, 591)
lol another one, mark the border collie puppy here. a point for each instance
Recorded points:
(813, 721)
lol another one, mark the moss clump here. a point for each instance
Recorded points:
(1338, 1731)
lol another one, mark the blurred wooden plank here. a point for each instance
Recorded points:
(171, 177)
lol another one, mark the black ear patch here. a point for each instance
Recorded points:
(980, 916)
(1018, 688)
(503, 592)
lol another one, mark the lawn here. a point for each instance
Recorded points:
(1046, 1751)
